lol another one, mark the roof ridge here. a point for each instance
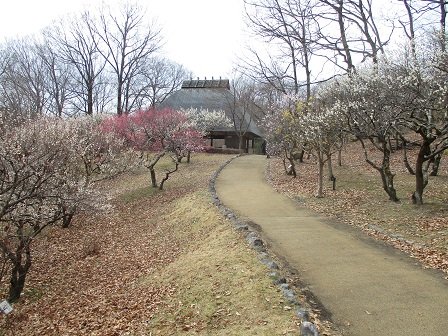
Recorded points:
(206, 84)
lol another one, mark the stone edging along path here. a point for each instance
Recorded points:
(256, 243)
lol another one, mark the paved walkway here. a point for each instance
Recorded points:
(373, 288)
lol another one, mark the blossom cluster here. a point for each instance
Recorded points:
(47, 166)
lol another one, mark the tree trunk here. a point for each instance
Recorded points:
(387, 176)
(67, 216)
(119, 97)
(167, 174)
(90, 88)
(436, 165)
(343, 32)
(19, 271)
(406, 161)
(284, 166)
(67, 219)
(292, 167)
(302, 154)
(240, 142)
(291, 170)
(151, 166)
(320, 178)
(330, 168)
(153, 177)
(340, 156)
(388, 185)
(421, 176)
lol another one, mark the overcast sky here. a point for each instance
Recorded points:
(203, 35)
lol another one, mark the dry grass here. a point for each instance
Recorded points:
(220, 288)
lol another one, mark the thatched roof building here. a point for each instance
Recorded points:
(215, 95)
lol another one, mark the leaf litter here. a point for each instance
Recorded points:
(421, 231)
(155, 263)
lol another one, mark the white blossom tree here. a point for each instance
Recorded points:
(369, 106)
(44, 179)
(421, 93)
(322, 135)
(284, 132)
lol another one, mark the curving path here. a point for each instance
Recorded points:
(370, 289)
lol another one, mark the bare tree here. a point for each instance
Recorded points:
(157, 78)
(23, 82)
(77, 43)
(162, 77)
(241, 105)
(357, 37)
(128, 42)
(433, 11)
(408, 25)
(59, 86)
(288, 27)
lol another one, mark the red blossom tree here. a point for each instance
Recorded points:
(156, 133)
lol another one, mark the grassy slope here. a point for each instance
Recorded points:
(220, 288)
(159, 263)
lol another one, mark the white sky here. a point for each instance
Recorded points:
(203, 35)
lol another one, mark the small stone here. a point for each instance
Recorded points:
(242, 227)
(308, 329)
(254, 241)
(288, 294)
(273, 265)
(284, 286)
(294, 301)
(375, 228)
(251, 235)
(263, 255)
(265, 261)
(303, 314)
(256, 244)
(279, 281)
(225, 211)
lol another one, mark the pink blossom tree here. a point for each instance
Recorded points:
(154, 134)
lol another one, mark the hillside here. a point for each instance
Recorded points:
(155, 263)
